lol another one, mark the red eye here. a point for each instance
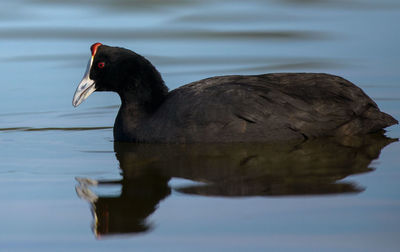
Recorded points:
(101, 64)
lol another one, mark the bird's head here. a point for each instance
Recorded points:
(123, 71)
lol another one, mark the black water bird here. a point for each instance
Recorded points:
(253, 108)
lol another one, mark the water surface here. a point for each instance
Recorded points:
(67, 186)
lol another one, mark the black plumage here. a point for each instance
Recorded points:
(256, 108)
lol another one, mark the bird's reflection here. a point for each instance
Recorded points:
(313, 167)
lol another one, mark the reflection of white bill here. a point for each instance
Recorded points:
(87, 181)
(83, 190)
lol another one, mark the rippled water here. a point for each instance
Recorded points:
(67, 186)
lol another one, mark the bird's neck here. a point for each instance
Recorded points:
(130, 117)
(140, 98)
(144, 93)
(136, 108)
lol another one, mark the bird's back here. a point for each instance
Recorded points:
(269, 107)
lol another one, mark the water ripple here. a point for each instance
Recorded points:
(102, 34)
(54, 128)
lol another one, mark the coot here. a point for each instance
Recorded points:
(235, 108)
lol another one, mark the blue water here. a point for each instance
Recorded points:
(292, 205)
